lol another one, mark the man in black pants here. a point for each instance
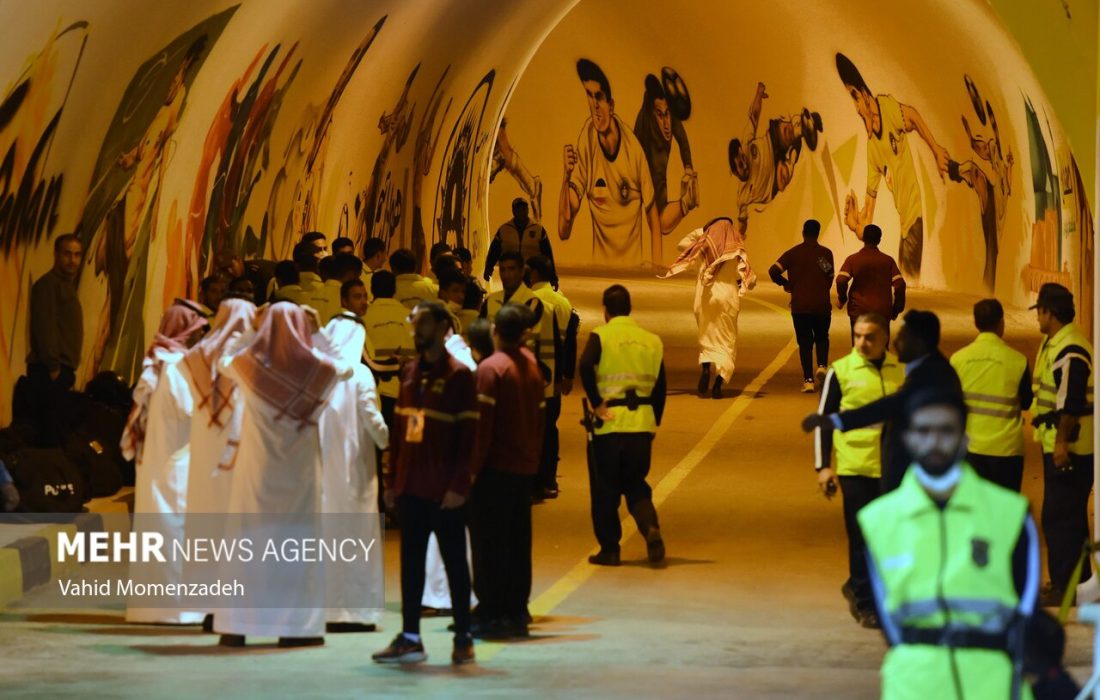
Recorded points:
(809, 268)
(433, 443)
(510, 399)
(917, 345)
(56, 334)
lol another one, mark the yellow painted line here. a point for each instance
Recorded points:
(11, 576)
(576, 577)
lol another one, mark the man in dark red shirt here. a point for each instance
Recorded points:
(809, 268)
(510, 396)
(877, 286)
(432, 445)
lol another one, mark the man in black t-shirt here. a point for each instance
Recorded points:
(809, 275)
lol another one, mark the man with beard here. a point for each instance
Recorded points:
(954, 563)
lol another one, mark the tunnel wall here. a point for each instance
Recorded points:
(1018, 189)
(163, 132)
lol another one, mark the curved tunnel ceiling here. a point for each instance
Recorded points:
(163, 132)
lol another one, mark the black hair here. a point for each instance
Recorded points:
(512, 321)
(342, 242)
(346, 287)
(305, 257)
(938, 396)
(286, 272)
(438, 249)
(616, 299)
(373, 247)
(207, 281)
(850, 75)
(383, 284)
(313, 236)
(236, 283)
(463, 255)
(519, 203)
(450, 276)
(513, 255)
(924, 325)
(872, 234)
(65, 238)
(475, 296)
(541, 265)
(811, 228)
(345, 264)
(589, 71)
(324, 267)
(402, 261)
(653, 90)
(988, 314)
(479, 334)
(443, 263)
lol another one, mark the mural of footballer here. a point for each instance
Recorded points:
(608, 167)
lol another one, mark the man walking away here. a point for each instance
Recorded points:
(623, 373)
(870, 281)
(433, 444)
(1063, 427)
(809, 269)
(518, 235)
(510, 397)
(996, 384)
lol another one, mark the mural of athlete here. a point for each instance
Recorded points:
(765, 163)
(888, 123)
(992, 190)
(665, 108)
(608, 167)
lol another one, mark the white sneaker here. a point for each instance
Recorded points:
(808, 387)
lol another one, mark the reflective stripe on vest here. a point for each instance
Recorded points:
(859, 452)
(1047, 399)
(990, 372)
(947, 570)
(389, 338)
(630, 358)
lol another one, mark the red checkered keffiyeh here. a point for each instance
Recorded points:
(216, 391)
(720, 243)
(280, 367)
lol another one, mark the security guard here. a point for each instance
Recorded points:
(540, 272)
(541, 339)
(996, 384)
(389, 346)
(1063, 427)
(866, 374)
(954, 563)
(623, 373)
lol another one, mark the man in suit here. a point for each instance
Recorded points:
(917, 345)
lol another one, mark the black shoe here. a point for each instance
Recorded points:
(208, 624)
(716, 392)
(544, 494)
(605, 557)
(654, 545)
(517, 627)
(849, 594)
(490, 629)
(704, 380)
(345, 627)
(296, 642)
(869, 620)
(463, 652)
(401, 650)
(231, 640)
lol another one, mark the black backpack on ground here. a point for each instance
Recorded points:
(47, 479)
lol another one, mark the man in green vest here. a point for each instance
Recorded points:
(1063, 427)
(623, 373)
(954, 563)
(996, 384)
(866, 374)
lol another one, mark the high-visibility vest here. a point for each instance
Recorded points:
(630, 359)
(1046, 393)
(990, 372)
(946, 568)
(541, 337)
(389, 343)
(325, 298)
(563, 311)
(526, 244)
(859, 452)
(413, 289)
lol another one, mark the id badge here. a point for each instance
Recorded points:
(414, 426)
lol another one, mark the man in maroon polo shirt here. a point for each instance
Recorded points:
(876, 284)
(511, 399)
(432, 445)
